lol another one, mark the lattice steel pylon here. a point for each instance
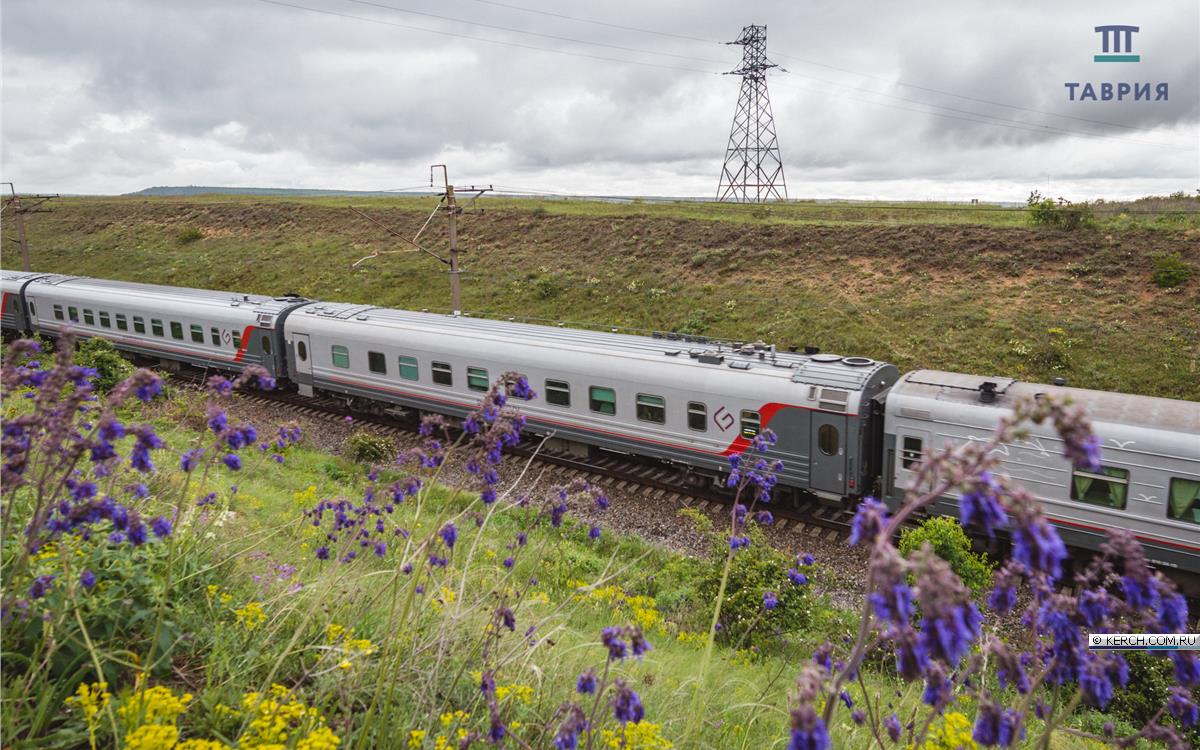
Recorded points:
(753, 169)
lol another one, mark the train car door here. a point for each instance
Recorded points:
(29, 314)
(302, 356)
(827, 454)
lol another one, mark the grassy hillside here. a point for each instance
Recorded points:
(963, 288)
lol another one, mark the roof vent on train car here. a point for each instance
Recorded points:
(672, 352)
(826, 357)
(987, 392)
(740, 365)
(710, 358)
(1060, 381)
(791, 348)
(858, 361)
(360, 317)
(809, 350)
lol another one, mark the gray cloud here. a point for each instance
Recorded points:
(115, 96)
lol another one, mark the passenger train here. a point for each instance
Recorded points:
(846, 426)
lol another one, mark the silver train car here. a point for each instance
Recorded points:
(174, 325)
(661, 398)
(1149, 482)
(847, 426)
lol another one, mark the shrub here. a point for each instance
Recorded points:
(1064, 214)
(755, 571)
(952, 544)
(111, 368)
(1170, 270)
(368, 448)
(696, 323)
(189, 235)
(546, 287)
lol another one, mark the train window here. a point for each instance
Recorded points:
(266, 344)
(341, 356)
(237, 341)
(751, 423)
(602, 400)
(408, 368)
(558, 392)
(442, 374)
(176, 330)
(89, 317)
(1184, 504)
(197, 334)
(377, 362)
(105, 320)
(32, 310)
(910, 454)
(214, 334)
(1109, 488)
(697, 416)
(827, 439)
(139, 324)
(73, 314)
(58, 312)
(651, 408)
(302, 351)
(122, 322)
(477, 379)
(156, 326)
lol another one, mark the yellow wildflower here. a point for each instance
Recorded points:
(640, 736)
(440, 742)
(952, 733)
(451, 717)
(210, 591)
(321, 738)
(155, 705)
(152, 737)
(334, 632)
(226, 598)
(416, 738)
(91, 699)
(538, 597)
(201, 745)
(523, 693)
(251, 615)
(47, 552)
(360, 646)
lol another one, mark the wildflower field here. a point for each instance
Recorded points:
(174, 578)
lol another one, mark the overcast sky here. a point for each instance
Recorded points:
(881, 99)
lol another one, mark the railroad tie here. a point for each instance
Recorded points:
(814, 531)
(798, 527)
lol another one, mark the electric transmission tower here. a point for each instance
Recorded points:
(753, 170)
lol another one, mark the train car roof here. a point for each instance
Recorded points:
(831, 370)
(253, 303)
(1100, 406)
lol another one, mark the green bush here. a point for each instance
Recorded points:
(111, 367)
(546, 287)
(1063, 214)
(696, 323)
(1170, 270)
(189, 235)
(756, 569)
(368, 448)
(952, 544)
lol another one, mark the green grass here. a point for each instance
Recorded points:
(989, 295)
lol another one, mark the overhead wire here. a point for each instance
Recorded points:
(501, 42)
(511, 30)
(962, 115)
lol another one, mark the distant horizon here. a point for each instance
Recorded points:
(201, 190)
